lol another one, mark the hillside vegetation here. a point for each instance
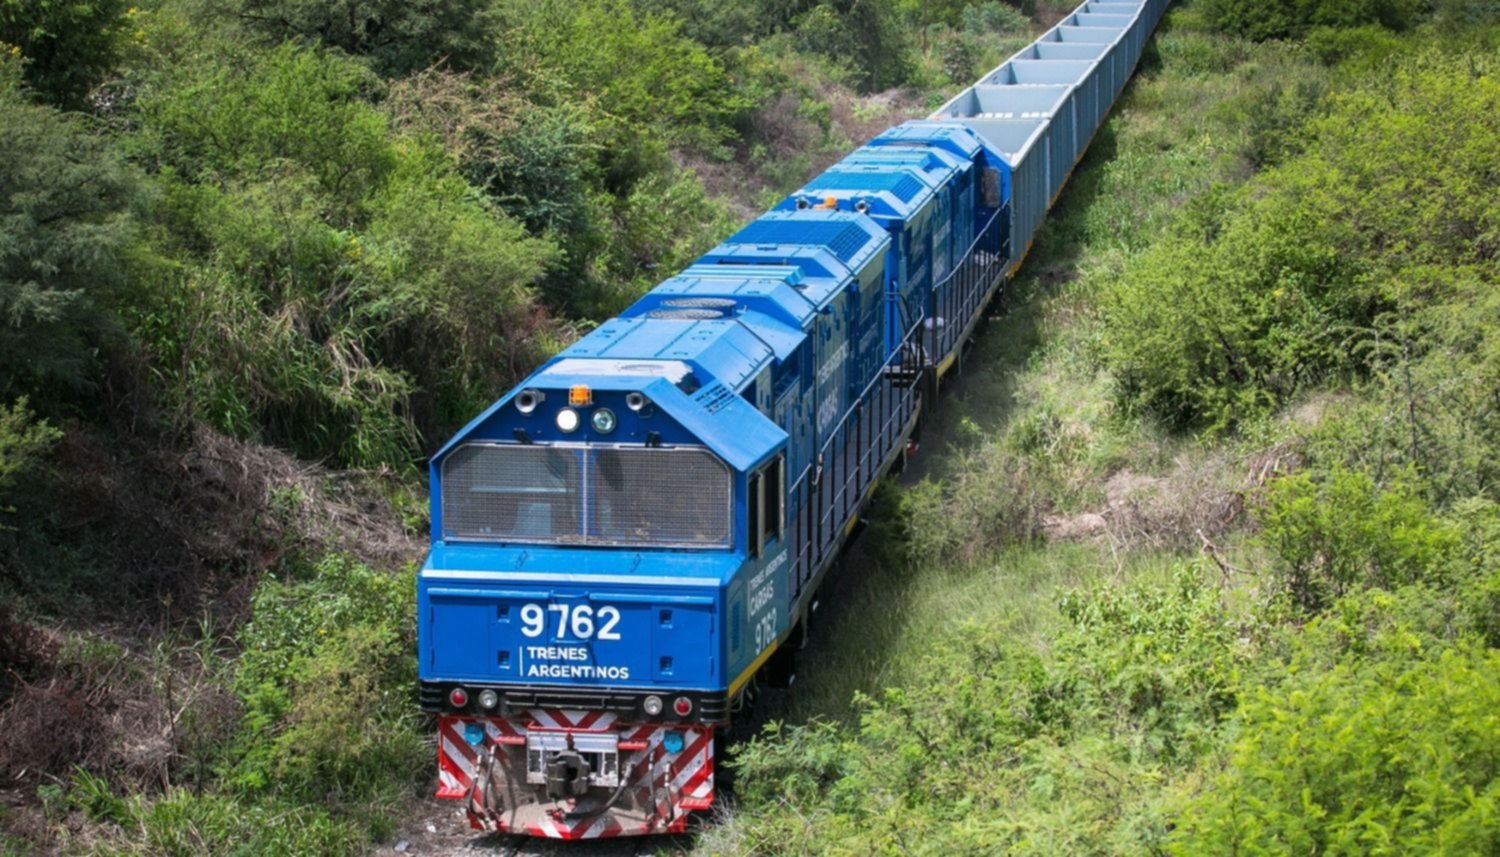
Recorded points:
(1209, 561)
(1206, 557)
(257, 259)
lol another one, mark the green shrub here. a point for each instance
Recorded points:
(1479, 593)
(1259, 20)
(352, 730)
(1337, 532)
(999, 747)
(449, 280)
(315, 269)
(1457, 15)
(991, 18)
(327, 678)
(1273, 118)
(1357, 47)
(247, 115)
(1336, 264)
(1233, 314)
(1395, 757)
(24, 439)
(635, 68)
(884, 57)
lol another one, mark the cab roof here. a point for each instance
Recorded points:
(693, 370)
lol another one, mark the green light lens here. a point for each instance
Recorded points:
(604, 421)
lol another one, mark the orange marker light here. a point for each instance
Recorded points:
(831, 202)
(580, 396)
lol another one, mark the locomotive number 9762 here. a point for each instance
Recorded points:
(579, 622)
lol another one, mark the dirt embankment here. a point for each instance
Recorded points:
(133, 565)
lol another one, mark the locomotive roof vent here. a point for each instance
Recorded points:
(683, 314)
(701, 303)
(695, 308)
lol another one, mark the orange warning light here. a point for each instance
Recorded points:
(579, 395)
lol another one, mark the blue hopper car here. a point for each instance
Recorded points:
(630, 540)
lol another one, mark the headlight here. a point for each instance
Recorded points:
(604, 420)
(488, 698)
(652, 705)
(567, 420)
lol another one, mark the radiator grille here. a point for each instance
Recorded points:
(639, 496)
(513, 493)
(657, 496)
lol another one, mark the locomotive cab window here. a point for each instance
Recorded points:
(767, 502)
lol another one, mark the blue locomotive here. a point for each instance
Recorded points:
(627, 541)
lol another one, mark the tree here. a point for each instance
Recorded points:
(68, 45)
(399, 35)
(328, 284)
(64, 226)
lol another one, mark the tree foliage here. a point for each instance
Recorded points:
(1331, 263)
(398, 36)
(319, 270)
(68, 46)
(65, 228)
(1280, 19)
(23, 441)
(1395, 758)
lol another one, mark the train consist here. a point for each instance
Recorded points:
(628, 542)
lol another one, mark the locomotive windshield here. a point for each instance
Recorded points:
(586, 495)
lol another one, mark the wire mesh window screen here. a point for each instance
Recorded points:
(664, 497)
(587, 495)
(513, 493)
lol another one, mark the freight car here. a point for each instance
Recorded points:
(631, 539)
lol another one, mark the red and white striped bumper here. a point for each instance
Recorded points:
(483, 760)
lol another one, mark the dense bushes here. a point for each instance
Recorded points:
(1334, 532)
(1316, 271)
(68, 47)
(1394, 758)
(999, 747)
(399, 36)
(1259, 20)
(327, 679)
(315, 271)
